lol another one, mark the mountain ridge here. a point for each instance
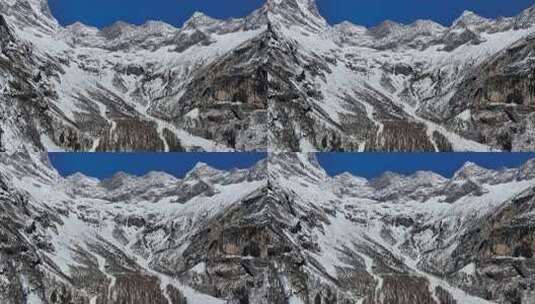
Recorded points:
(280, 80)
(207, 239)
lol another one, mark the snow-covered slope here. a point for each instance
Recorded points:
(407, 239)
(396, 87)
(283, 231)
(280, 79)
(122, 240)
(152, 87)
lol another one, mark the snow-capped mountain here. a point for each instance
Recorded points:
(281, 79)
(405, 239)
(121, 240)
(283, 231)
(151, 87)
(396, 87)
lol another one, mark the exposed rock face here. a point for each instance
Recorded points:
(280, 232)
(395, 87)
(152, 87)
(279, 79)
(230, 98)
(65, 248)
(499, 96)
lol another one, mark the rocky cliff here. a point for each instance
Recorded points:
(397, 87)
(151, 87)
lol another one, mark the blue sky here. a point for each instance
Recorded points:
(369, 165)
(101, 13)
(105, 165)
(369, 13)
(372, 165)
(364, 12)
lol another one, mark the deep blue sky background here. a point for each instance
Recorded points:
(372, 12)
(105, 165)
(101, 13)
(371, 165)
(364, 12)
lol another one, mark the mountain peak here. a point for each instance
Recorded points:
(348, 179)
(427, 25)
(80, 28)
(121, 25)
(296, 164)
(526, 18)
(386, 28)
(202, 169)
(121, 175)
(118, 180)
(469, 19)
(471, 167)
(386, 179)
(80, 179)
(468, 14)
(429, 176)
(473, 171)
(117, 29)
(309, 4)
(199, 19)
(30, 13)
(198, 15)
(159, 176)
(155, 25)
(295, 13)
(349, 27)
(527, 171)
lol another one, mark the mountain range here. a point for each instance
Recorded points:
(282, 231)
(280, 80)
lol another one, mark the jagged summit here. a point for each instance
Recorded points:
(202, 169)
(525, 19)
(30, 14)
(120, 27)
(295, 13)
(472, 21)
(199, 20)
(472, 171)
(199, 15)
(467, 20)
(296, 164)
(80, 180)
(386, 28)
(118, 180)
(80, 29)
(159, 175)
(350, 28)
(78, 176)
